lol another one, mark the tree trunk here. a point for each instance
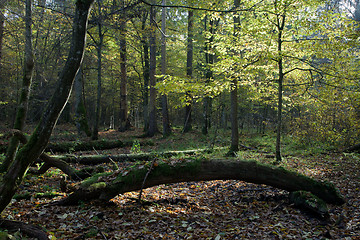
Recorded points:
(74, 174)
(189, 71)
(152, 72)
(281, 24)
(81, 121)
(2, 21)
(108, 185)
(124, 118)
(146, 72)
(164, 102)
(40, 137)
(209, 58)
(99, 45)
(25, 91)
(234, 147)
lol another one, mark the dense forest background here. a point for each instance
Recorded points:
(179, 119)
(204, 53)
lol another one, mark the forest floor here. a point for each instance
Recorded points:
(196, 210)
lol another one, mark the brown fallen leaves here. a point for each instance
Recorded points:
(201, 210)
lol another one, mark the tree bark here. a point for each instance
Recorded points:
(2, 21)
(99, 45)
(146, 70)
(108, 185)
(189, 71)
(25, 91)
(209, 58)
(164, 101)
(74, 174)
(40, 137)
(234, 147)
(153, 129)
(124, 118)
(280, 25)
(81, 121)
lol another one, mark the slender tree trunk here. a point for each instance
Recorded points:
(124, 118)
(234, 147)
(189, 71)
(95, 132)
(40, 137)
(81, 121)
(152, 71)
(25, 91)
(146, 65)
(2, 21)
(164, 102)
(280, 25)
(209, 57)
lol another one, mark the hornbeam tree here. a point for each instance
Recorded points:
(40, 137)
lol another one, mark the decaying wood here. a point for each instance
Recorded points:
(101, 158)
(308, 201)
(28, 229)
(108, 185)
(50, 161)
(64, 167)
(75, 146)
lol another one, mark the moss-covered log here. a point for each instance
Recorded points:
(66, 168)
(74, 146)
(101, 158)
(107, 185)
(28, 229)
(308, 201)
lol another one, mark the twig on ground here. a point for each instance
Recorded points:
(143, 183)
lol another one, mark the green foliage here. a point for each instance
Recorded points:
(135, 148)
(92, 233)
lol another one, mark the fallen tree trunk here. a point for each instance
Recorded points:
(107, 185)
(75, 146)
(98, 159)
(28, 229)
(74, 174)
(50, 161)
(354, 148)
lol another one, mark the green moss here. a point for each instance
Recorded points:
(131, 175)
(96, 186)
(137, 173)
(309, 201)
(187, 167)
(91, 180)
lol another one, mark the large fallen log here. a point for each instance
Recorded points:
(107, 185)
(75, 146)
(102, 158)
